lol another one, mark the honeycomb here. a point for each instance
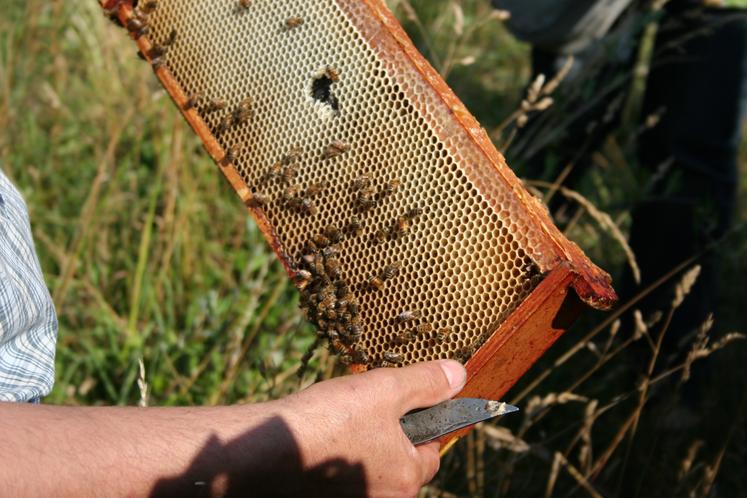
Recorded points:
(321, 72)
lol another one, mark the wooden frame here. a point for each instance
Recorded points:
(571, 280)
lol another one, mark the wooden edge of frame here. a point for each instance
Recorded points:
(520, 341)
(594, 285)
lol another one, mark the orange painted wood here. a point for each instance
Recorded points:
(521, 339)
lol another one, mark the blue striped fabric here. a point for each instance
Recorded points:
(28, 323)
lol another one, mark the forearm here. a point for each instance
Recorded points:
(50, 450)
(337, 438)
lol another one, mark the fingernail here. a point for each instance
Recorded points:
(455, 373)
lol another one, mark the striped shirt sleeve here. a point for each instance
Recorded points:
(28, 322)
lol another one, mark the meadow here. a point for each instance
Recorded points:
(168, 295)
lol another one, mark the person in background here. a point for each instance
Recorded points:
(692, 115)
(341, 437)
(687, 147)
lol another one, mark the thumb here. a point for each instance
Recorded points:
(427, 384)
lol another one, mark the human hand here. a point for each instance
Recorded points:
(355, 420)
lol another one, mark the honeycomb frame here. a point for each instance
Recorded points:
(482, 260)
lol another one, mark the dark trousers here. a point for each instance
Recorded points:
(698, 84)
(698, 81)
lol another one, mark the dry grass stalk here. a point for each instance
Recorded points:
(614, 329)
(538, 99)
(142, 385)
(554, 83)
(585, 455)
(501, 438)
(553, 477)
(500, 15)
(700, 348)
(537, 405)
(685, 285)
(687, 463)
(603, 219)
(577, 475)
(640, 326)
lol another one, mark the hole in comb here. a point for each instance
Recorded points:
(321, 90)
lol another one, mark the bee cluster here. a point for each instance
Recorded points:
(327, 299)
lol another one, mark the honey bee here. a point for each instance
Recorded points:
(327, 294)
(231, 155)
(148, 7)
(342, 291)
(354, 226)
(443, 334)
(243, 111)
(379, 237)
(401, 227)
(157, 63)
(292, 156)
(336, 148)
(245, 3)
(144, 31)
(345, 318)
(310, 247)
(354, 331)
(333, 233)
(361, 182)
(342, 304)
(361, 356)
(273, 172)
(414, 213)
(390, 187)
(259, 199)
(317, 188)
(463, 354)
(321, 241)
(346, 360)
(302, 279)
(366, 199)
(354, 308)
(288, 173)
(293, 22)
(332, 266)
(308, 260)
(332, 73)
(291, 192)
(404, 338)
(157, 51)
(171, 39)
(424, 328)
(193, 100)
(327, 303)
(216, 105)
(307, 206)
(392, 357)
(375, 283)
(225, 124)
(406, 316)
(329, 252)
(135, 25)
(390, 271)
(332, 335)
(319, 269)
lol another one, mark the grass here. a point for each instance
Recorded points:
(149, 256)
